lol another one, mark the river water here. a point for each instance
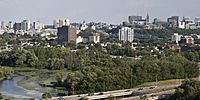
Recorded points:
(10, 88)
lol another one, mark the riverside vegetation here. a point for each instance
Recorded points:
(93, 70)
(75, 69)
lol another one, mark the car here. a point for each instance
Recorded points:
(60, 98)
(134, 93)
(140, 89)
(153, 95)
(90, 94)
(101, 93)
(128, 91)
(152, 87)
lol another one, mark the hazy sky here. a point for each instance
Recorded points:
(112, 11)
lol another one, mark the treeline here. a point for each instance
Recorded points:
(165, 33)
(192, 55)
(189, 90)
(93, 70)
(38, 57)
(102, 73)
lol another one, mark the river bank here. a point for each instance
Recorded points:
(6, 73)
(34, 80)
(11, 89)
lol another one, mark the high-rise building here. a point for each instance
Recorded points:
(56, 23)
(126, 34)
(83, 26)
(173, 21)
(3, 26)
(38, 25)
(147, 18)
(176, 38)
(26, 25)
(17, 26)
(10, 24)
(197, 21)
(181, 25)
(61, 22)
(67, 34)
(132, 19)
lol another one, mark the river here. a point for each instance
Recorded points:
(10, 88)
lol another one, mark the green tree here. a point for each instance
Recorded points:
(46, 95)
(1, 96)
(189, 90)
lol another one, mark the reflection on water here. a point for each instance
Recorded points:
(10, 88)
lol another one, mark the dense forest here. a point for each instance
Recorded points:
(93, 70)
(189, 90)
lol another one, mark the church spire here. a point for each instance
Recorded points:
(147, 19)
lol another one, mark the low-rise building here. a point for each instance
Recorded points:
(187, 40)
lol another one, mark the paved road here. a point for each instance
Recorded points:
(153, 96)
(117, 93)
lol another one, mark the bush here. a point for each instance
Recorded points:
(46, 95)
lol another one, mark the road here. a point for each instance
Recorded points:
(153, 96)
(120, 93)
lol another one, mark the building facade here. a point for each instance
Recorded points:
(61, 22)
(126, 34)
(176, 38)
(26, 25)
(173, 21)
(67, 34)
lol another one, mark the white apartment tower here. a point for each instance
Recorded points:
(61, 22)
(38, 25)
(176, 38)
(126, 34)
(26, 25)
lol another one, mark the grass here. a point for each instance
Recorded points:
(161, 83)
(21, 69)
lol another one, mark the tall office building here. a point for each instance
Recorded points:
(3, 26)
(61, 22)
(173, 21)
(197, 21)
(17, 26)
(38, 25)
(56, 23)
(26, 25)
(66, 34)
(134, 18)
(126, 34)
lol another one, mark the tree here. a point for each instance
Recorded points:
(1, 96)
(46, 95)
(32, 99)
(143, 97)
(56, 64)
(189, 90)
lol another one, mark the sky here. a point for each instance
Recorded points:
(110, 11)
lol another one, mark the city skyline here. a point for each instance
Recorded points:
(111, 11)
